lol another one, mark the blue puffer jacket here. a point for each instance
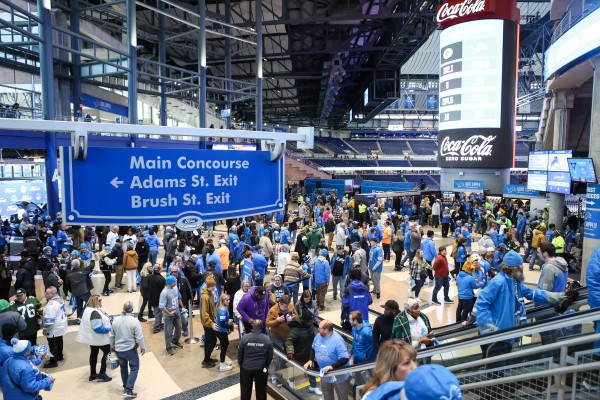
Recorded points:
(153, 242)
(466, 284)
(363, 348)
(6, 351)
(497, 303)
(28, 377)
(592, 281)
(356, 298)
(461, 254)
(322, 270)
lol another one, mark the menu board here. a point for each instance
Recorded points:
(536, 180)
(558, 182)
(538, 161)
(558, 160)
(471, 75)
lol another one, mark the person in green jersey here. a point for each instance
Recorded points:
(31, 309)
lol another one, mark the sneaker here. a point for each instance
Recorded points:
(51, 364)
(334, 297)
(225, 367)
(185, 333)
(436, 302)
(291, 384)
(169, 352)
(142, 319)
(201, 342)
(105, 294)
(110, 291)
(93, 377)
(449, 301)
(217, 347)
(177, 345)
(418, 300)
(315, 390)
(104, 378)
(213, 360)
(129, 394)
(207, 364)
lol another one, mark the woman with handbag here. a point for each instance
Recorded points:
(93, 330)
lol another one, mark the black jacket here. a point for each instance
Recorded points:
(50, 279)
(255, 351)
(299, 340)
(192, 275)
(184, 289)
(26, 276)
(142, 249)
(117, 252)
(156, 283)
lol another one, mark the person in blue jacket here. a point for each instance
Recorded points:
(494, 234)
(501, 303)
(356, 297)
(461, 255)
(322, 277)
(466, 233)
(306, 282)
(429, 252)
(248, 268)
(445, 222)
(51, 242)
(260, 265)
(363, 349)
(9, 331)
(153, 244)
(62, 239)
(20, 379)
(376, 266)
(592, 281)
(225, 327)
(212, 255)
(286, 237)
(466, 284)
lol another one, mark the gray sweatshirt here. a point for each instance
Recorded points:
(125, 332)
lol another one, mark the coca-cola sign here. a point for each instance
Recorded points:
(474, 146)
(455, 11)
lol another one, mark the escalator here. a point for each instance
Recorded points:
(546, 343)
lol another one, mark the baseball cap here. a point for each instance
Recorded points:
(355, 244)
(261, 290)
(391, 304)
(21, 291)
(339, 247)
(432, 381)
(171, 279)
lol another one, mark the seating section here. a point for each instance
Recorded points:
(335, 145)
(383, 177)
(393, 147)
(521, 149)
(365, 146)
(393, 163)
(423, 147)
(343, 163)
(423, 164)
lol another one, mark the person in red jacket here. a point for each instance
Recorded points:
(441, 275)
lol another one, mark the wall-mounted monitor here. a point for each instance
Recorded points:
(557, 160)
(226, 113)
(366, 97)
(538, 161)
(558, 182)
(536, 180)
(582, 170)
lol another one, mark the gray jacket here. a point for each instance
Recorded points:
(553, 270)
(415, 241)
(255, 351)
(125, 333)
(78, 281)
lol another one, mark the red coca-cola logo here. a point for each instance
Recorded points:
(453, 10)
(476, 145)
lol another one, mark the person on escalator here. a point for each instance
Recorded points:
(503, 297)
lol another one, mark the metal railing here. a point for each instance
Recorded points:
(576, 11)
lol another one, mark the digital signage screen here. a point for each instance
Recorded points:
(582, 170)
(537, 180)
(538, 161)
(366, 97)
(557, 160)
(558, 182)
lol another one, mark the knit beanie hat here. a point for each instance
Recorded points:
(512, 259)
(171, 280)
(47, 249)
(20, 347)
(4, 305)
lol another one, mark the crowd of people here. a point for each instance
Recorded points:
(325, 243)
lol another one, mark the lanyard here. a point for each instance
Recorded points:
(520, 309)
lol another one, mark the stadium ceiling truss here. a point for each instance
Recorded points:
(318, 56)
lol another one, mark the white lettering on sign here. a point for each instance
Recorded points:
(476, 145)
(449, 11)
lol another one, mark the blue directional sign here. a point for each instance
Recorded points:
(468, 185)
(515, 191)
(592, 212)
(157, 186)
(322, 186)
(382, 187)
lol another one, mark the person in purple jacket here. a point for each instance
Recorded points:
(254, 305)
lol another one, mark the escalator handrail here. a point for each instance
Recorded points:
(503, 335)
(524, 353)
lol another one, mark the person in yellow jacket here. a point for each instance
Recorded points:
(208, 318)
(130, 264)
(559, 243)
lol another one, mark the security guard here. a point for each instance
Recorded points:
(255, 353)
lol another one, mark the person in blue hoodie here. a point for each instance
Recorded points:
(467, 234)
(376, 266)
(461, 254)
(52, 243)
(286, 237)
(248, 268)
(260, 265)
(363, 349)
(356, 298)
(445, 222)
(153, 244)
(322, 277)
(225, 326)
(504, 297)
(20, 379)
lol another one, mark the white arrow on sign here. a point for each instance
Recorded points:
(116, 182)
(591, 203)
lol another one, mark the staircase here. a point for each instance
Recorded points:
(297, 171)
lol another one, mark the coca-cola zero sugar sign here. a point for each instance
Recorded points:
(456, 11)
(464, 149)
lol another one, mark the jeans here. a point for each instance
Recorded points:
(294, 290)
(280, 363)
(341, 281)
(153, 256)
(94, 350)
(464, 308)
(210, 342)
(408, 256)
(435, 220)
(534, 258)
(445, 226)
(321, 292)
(118, 275)
(80, 303)
(386, 251)
(418, 285)
(184, 323)
(330, 389)
(143, 307)
(172, 321)
(157, 318)
(129, 358)
(376, 277)
(439, 282)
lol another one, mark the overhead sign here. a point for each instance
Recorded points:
(103, 105)
(432, 101)
(410, 100)
(537, 180)
(538, 161)
(158, 186)
(592, 212)
(582, 170)
(468, 186)
(454, 12)
(383, 187)
(517, 191)
(558, 160)
(324, 186)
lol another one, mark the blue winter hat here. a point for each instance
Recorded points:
(512, 259)
(432, 382)
(83, 246)
(324, 252)
(171, 280)
(20, 347)
(74, 253)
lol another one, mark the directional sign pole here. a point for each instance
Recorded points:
(191, 339)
